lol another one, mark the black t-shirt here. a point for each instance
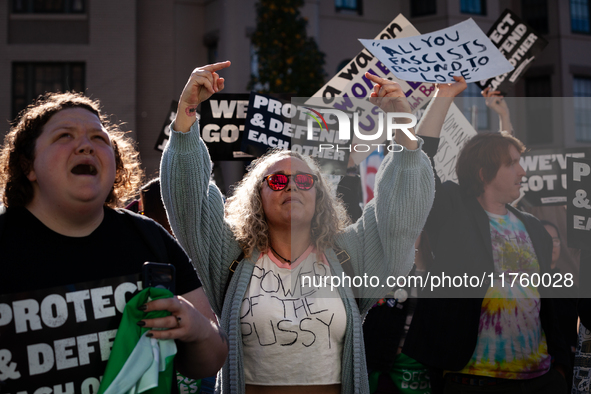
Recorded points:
(61, 298)
(35, 257)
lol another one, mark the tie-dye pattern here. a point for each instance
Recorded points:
(511, 343)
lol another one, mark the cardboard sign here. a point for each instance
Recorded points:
(351, 82)
(221, 121)
(222, 125)
(164, 135)
(273, 123)
(578, 211)
(59, 339)
(546, 179)
(519, 43)
(461, 50)
(456, 130)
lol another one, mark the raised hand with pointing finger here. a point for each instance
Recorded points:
(388, 95)
(202, 84)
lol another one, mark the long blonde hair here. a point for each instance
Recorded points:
(245, 214)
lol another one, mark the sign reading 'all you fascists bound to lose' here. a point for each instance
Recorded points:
(519, 43)
(578, 211)
(460, 50)
(350, 84)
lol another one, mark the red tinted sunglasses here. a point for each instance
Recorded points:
(279, 182)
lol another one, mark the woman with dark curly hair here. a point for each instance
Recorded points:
(63, 170)
(281, 230)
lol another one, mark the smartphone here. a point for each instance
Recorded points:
(158, 275)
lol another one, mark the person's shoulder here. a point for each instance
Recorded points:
(449, 188)
(137, 219)
(525, 216)
(450, 185)
(531, 222)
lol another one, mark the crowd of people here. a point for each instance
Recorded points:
(241, 307)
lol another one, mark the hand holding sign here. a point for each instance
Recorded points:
(202, 84)
(495, 101)
(451, 89)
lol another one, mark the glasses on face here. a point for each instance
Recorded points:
(279, 182)
(556, 241)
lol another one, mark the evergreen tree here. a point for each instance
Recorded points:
(288, 60)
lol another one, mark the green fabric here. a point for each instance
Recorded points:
(131, 367)
(408, 375)
(188, 385)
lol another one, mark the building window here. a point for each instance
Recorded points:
(474, 107)
(538, 107)
(535, 12)
(254, 60)
(349, 5)
(476, 7)
(579, 16)
(210, 40)
(48, 6)
(582, 104)
(423, 7)
(29, 80)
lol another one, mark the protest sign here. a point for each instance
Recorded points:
(265, 127)
(59, 339)
(165, 131)
(222, 124)
(578, 211)
(351, 83)
(545, 182)
(368, 170)
(273, 123)
(460, 50)
(519, 43)
(456, 130)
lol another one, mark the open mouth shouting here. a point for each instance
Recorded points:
(84, 169)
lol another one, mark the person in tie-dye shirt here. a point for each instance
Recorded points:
(488, 338)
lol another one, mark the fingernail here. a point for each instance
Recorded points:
(149, 335)
(142, 307)
(141, 323)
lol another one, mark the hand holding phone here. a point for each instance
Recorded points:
(159, 275)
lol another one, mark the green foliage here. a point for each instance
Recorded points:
(288, 60)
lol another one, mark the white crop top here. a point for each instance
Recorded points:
(292, 335)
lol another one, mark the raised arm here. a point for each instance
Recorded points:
(194, 205)
(390, 98)
(432, 120)
(202, 84)
(381, 242)
(496, 101)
